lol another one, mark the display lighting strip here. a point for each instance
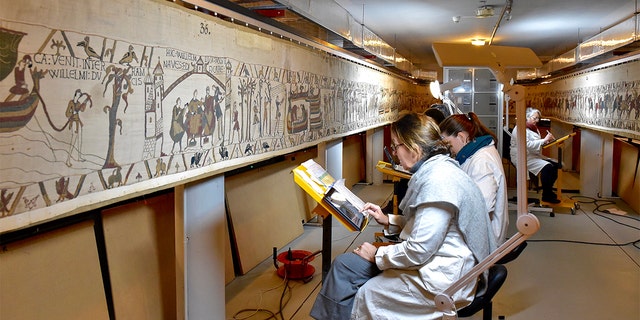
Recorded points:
(257, 24)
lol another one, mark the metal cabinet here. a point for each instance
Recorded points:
(480, 92)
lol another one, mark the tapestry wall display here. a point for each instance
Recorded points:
(98, 104)
(606, 99)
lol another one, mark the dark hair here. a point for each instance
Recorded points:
(468, 123)
(435, 114)
(419, 133)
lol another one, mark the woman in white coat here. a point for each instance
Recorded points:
(446, 231)
(473, 146)
(536, 162)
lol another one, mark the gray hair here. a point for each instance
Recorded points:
(531, 111)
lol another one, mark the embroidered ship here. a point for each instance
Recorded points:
(14, 114)
(9, 50)
(315, 112)
(297, 116)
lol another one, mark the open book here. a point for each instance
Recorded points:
(331, 194)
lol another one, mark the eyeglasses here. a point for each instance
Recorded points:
(394, 147)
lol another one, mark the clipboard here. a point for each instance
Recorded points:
(559, 140)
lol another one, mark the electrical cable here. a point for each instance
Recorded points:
(256, 311)
(588, 242)
(597, 211)
(348, 248)
(286, 289)
(281, 306)
(320, 282)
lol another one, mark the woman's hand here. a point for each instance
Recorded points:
(375, 211)
(548, 138)
(367, 251)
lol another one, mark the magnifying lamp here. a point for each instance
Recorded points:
(434, 87)
(440, 92)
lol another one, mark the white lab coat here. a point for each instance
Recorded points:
(535, 160)
(485, 168)
(441, 202)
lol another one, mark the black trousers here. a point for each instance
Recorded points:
(548, 176)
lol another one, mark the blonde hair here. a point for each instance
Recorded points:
(419, 133)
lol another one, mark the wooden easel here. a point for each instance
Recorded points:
(326, 237)
(396, 175)
(560, 144)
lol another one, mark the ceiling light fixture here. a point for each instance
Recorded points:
(477, 42)
(484, 12)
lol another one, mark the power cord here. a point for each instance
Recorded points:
(286, 289)
(603, 213)
(271, 315)
(319, 284)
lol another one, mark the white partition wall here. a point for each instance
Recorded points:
(607, 165)
(375, 153)
(333, 158)
(596, 163)
(204, 249)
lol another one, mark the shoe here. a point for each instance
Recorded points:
(551, 200)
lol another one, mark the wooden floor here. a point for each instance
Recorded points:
(577, 266)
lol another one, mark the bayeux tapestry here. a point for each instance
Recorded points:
(97, 104)
(606, 99)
